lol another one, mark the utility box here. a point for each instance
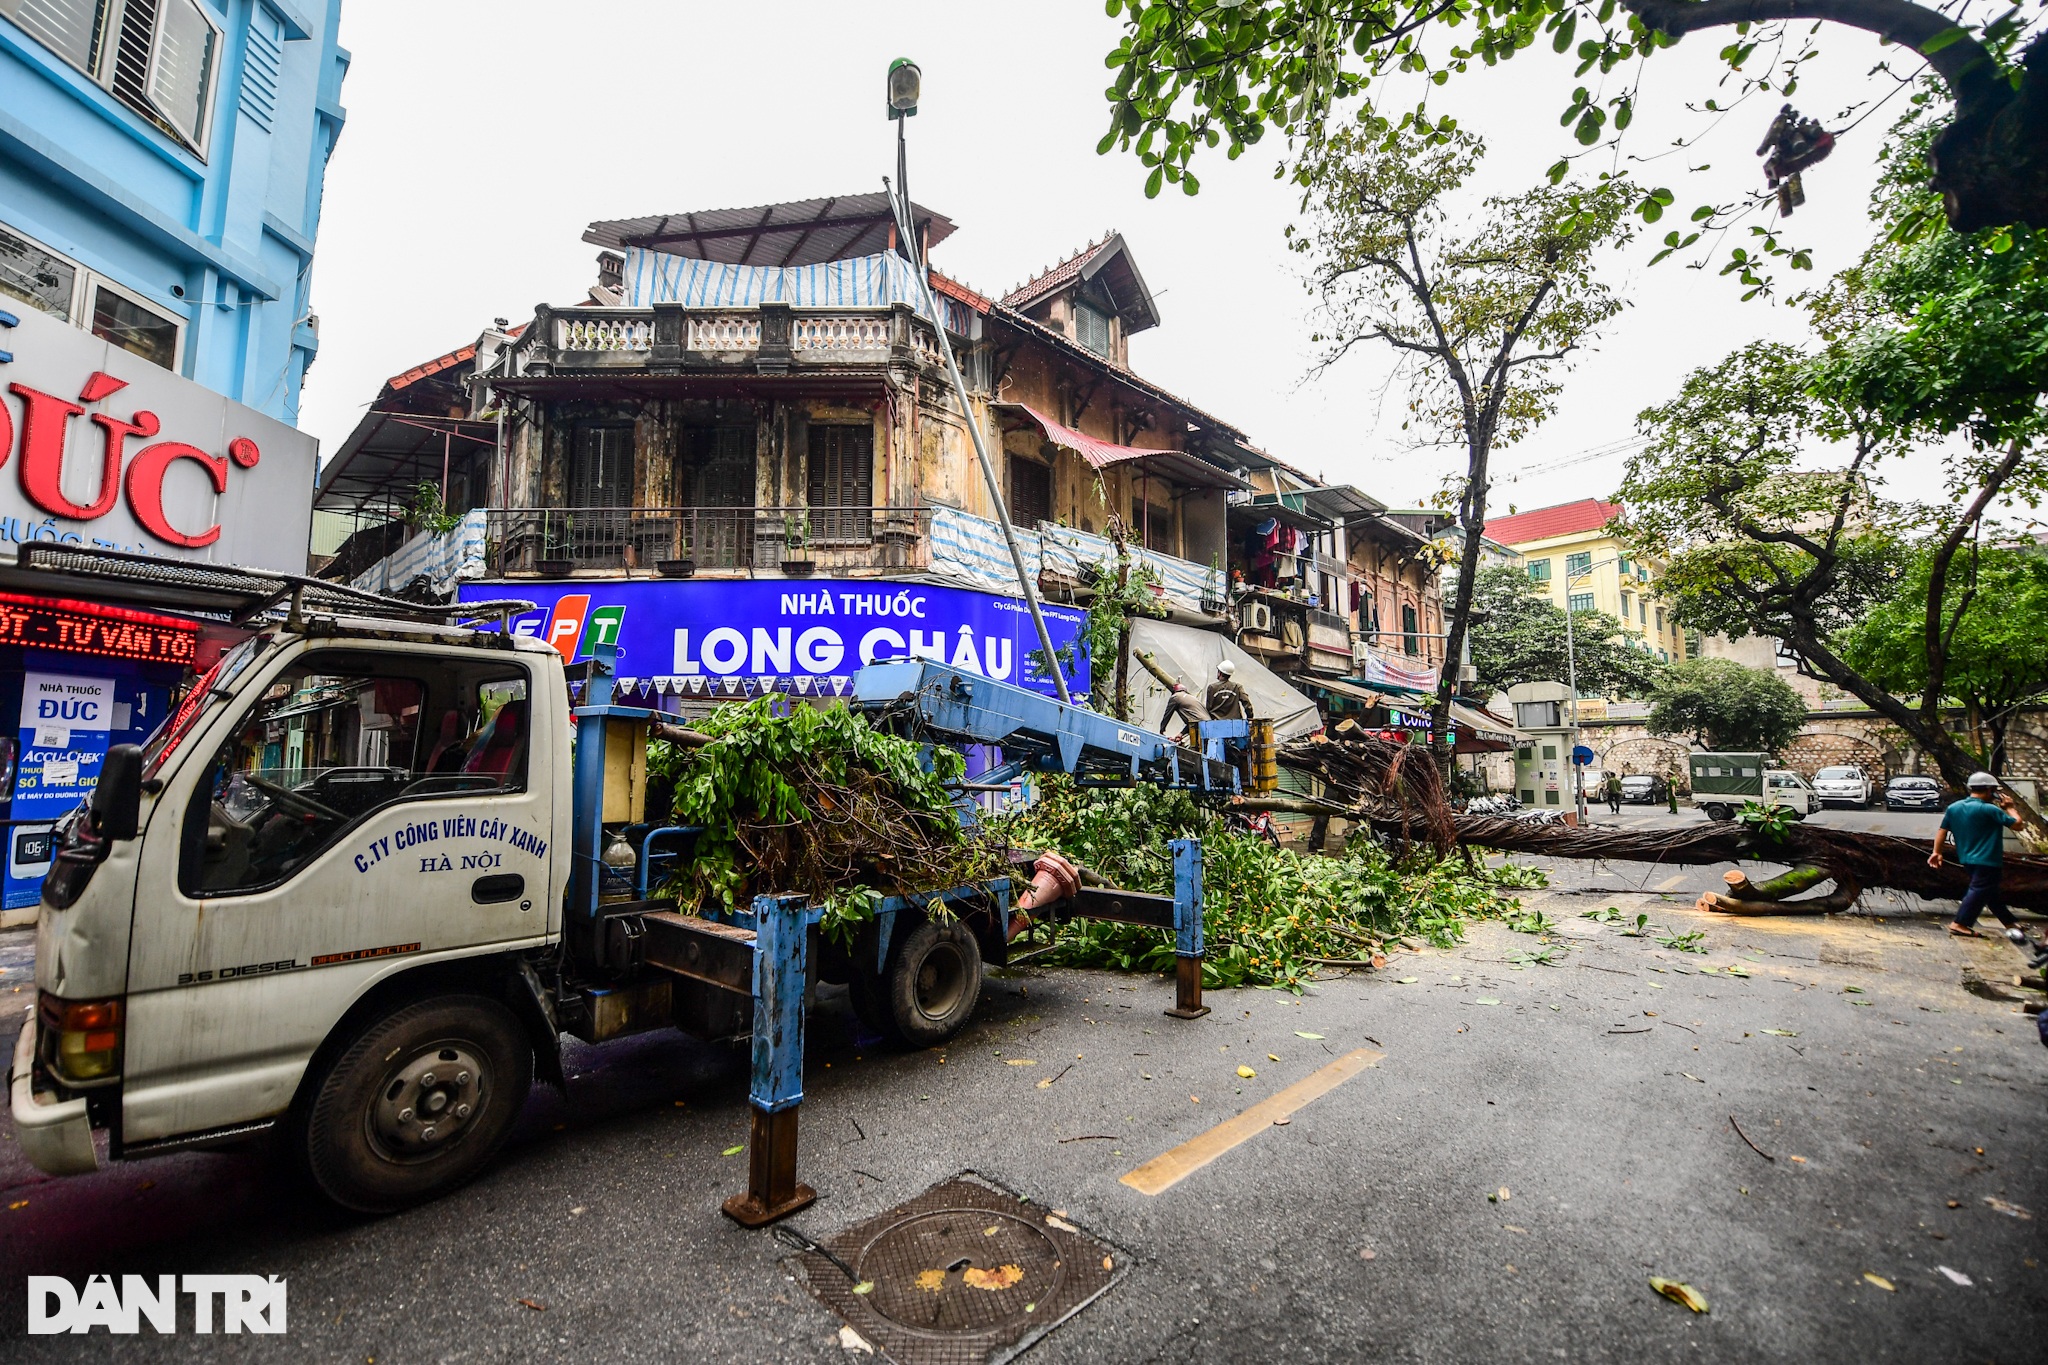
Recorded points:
(1543, 758)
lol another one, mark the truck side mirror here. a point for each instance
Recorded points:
(117, 800)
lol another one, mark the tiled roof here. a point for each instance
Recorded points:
(1570, 518)
(1037, 287)
(435, 366)
(962, 293)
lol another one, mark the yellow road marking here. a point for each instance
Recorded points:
(1672, 883)
(1168, 1169)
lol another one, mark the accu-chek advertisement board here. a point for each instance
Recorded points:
(742, 638)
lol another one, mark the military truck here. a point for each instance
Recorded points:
(1721, 783)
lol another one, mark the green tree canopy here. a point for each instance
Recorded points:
(1722, 705)
(1195, 74)
(1997, 651)
(1522, 639)
(1480, 313)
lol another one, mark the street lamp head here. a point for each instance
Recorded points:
(905, 80)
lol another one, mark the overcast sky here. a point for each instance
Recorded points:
(482, 137)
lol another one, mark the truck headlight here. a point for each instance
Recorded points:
(82, 1038)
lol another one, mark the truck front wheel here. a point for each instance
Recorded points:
(417, 1104)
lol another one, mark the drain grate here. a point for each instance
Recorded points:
(964, 1274)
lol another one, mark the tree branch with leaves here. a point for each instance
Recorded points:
(1198, 74)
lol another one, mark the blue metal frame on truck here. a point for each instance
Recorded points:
(765, 953)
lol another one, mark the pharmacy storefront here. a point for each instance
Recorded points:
(686, 645)
(101, 448)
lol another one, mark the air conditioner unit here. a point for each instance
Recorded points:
(1257, 617)
(1469, 673)
(1361, 654)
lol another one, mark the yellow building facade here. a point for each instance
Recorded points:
(1572, 555)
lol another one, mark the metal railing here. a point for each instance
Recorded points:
(705, 539)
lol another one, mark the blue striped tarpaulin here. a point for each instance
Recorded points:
(861, 281)
(971, 548)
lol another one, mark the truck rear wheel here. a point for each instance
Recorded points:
(417, 1104)
(1716, 811)
(930, 989)
(934, 983)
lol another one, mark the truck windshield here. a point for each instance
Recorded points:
(213, 685)
(338, 736)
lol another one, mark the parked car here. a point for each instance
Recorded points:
(1842, 785)
(1643, 789)
(1914, 793)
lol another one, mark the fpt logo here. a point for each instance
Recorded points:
(574, 628)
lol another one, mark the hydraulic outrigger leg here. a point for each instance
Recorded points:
(781, 930)
(1187, 930)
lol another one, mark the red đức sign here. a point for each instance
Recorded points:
(101, 448)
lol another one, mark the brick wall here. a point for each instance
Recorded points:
(1830, 738)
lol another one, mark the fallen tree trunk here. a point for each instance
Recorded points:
(1848, 856)
(1369, 779)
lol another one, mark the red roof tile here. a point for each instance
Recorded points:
(1587, 514)
(435, 366)
(962, 293)
(1024, 295)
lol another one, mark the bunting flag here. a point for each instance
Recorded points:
(803, 686)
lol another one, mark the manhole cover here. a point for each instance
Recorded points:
(964, 1274)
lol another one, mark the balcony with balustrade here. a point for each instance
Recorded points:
(687, 542)
(674, 341)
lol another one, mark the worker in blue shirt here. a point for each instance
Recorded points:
(1976, 825)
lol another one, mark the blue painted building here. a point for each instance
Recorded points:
(161, 164)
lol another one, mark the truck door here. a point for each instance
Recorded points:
(370, 808)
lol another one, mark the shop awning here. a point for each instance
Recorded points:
(390, 454)
(1177, 465)
(1192, 655)
(1484, 724)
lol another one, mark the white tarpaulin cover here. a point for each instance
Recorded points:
(1192, 655)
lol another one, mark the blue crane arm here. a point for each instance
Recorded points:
(940, 702)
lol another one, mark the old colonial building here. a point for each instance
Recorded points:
(759, 395)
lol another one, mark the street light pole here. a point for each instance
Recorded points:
(904, 83)
(1571, 668)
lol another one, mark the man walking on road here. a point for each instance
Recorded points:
(1613, 789)
(1977, 825)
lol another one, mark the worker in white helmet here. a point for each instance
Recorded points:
(1226, 698)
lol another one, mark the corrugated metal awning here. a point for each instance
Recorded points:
(799, 232)
(1177, 465)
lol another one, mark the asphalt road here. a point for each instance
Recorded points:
(1902, 1117)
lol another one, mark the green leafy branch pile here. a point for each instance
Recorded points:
(1272, 916)
(800, 798)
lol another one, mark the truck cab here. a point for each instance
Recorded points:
(341, 813)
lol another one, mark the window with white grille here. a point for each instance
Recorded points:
(156, 56)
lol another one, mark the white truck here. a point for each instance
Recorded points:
(352, 893)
